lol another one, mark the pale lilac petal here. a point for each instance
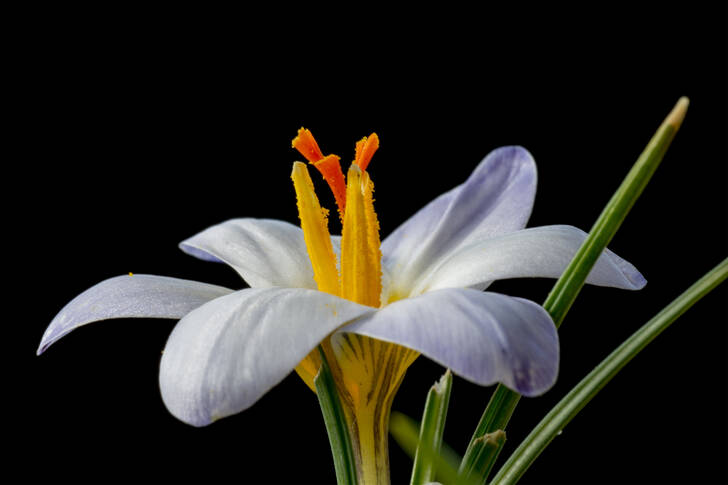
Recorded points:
(535, 252)
(408, 237)
(137, 296)
(481, 336)
(496, 199)
(225, 355)
(265, 252)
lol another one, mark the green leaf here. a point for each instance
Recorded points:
(580, 395)
(336, 427)
(486, 451)
(562, 296)
(567, 287)
(496, 416)
(431, 431)
(405, 431)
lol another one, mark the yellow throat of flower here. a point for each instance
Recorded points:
(367, 371)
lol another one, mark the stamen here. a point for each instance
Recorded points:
(373, 242)
(367, 371)
(361, 276)
(314, 223)
(365, 149)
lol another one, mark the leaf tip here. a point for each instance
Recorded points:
(444, 383)
(677, 115)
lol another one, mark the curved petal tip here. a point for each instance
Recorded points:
(127, 296)
(481, 336)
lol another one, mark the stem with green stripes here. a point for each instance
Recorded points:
(336, 427)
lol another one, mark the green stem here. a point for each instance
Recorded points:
(336, 425)
(580, 395)
(562, 296)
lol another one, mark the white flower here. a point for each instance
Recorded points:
(372, 315)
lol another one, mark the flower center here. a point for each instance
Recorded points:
(367, 371)
(360, 279)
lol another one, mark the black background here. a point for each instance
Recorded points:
(131, 130)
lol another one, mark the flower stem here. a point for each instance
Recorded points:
(368, 373)
(582, 393)
(336, 426)
(370, 434)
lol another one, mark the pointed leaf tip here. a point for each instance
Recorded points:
(677, 115)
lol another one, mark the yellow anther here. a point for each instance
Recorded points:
(314, 222)
(361, 275)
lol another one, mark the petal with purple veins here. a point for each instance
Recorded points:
(483, 337)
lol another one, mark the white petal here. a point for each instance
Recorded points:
(535, 252)
(483, 337)
(225, 355)
(138, 296)
(496, 199)
(404, 241)
(265, 252)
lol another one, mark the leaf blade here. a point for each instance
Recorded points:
(432, 427)
(503, 402)
(582, 393)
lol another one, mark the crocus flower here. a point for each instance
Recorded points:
(373, 308)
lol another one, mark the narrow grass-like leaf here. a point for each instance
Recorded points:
(583, 392)
(406, 432)
(496, 416)
(431, 431)
(338, 432)
(567, 287)
(486, 451)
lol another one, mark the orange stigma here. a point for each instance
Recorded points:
(365, 149)
(330, 165)
(306, 144)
